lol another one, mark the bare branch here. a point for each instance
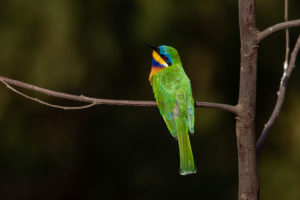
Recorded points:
(287, 43)
(45, 103)
(219, 106)
(96, 101)
(277, 27)
(287, 37)
(280, 96)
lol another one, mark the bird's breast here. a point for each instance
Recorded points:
(154, 70)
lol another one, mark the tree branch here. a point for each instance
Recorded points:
(280, 96)
(287, 42)
(45, 103)
(287, 35)
(277, 27)
(96, 101)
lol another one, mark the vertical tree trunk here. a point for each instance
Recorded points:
(245, 124)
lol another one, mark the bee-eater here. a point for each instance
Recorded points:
(173, 94)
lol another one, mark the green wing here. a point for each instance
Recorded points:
(190, 110)
(173, 95)
(165, 103)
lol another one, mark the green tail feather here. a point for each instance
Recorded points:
(187, 165)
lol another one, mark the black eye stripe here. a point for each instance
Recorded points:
(166, 59)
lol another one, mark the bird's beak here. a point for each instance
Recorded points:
(152, 47)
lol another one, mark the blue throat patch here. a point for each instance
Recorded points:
(156, 64)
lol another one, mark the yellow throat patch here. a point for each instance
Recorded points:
(155, 69)
(158, 59)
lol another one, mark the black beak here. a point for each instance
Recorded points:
(153, 48)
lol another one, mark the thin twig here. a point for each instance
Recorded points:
(96, 101)
(219, 106)
(280, 96)
(48, 104)
(287, 37)
(277, 27)
(287, 42)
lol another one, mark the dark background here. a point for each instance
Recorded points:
(96, 48)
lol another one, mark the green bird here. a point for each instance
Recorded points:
(173, 94)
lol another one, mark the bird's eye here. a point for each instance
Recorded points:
(165, 58)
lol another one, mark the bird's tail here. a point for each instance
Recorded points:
(187, 165)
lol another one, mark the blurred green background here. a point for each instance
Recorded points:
(96, 48)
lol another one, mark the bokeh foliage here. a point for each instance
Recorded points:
(96, 48)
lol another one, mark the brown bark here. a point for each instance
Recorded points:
(245, 124)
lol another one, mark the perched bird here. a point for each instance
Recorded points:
(173, 94)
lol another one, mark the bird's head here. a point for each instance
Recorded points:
(162, 57)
